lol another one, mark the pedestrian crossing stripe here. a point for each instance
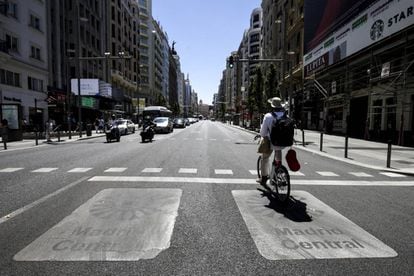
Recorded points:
(185, 170)
(195, 171)
(11, 170)
(116, 170)
(327, 173)
(390, 174)
(152, 170)
(79, 170)
(44, 170)
(223, 171)
(360, 174)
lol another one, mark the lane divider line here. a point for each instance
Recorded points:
(41, 200)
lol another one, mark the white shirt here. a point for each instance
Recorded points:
(267, 125)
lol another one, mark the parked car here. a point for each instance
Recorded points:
(179, 123)
(125, 126)
(163, 124)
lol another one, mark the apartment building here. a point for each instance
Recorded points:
(24, 68)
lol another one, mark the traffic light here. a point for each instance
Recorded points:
(231, 62)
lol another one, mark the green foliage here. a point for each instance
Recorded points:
(271, 83)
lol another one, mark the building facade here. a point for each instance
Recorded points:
(24, 71)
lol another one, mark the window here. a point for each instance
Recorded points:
(35, 52)
(9, 78)
(34, 22)
(12, 43)
(34, 84)
(10, 9)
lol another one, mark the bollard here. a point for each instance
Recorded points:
(303, 137)
(321, 142)
(346, 146)
(389, 154)
(4, 143)
(58, 133)
(36, 138)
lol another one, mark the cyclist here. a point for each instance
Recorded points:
(277, 111)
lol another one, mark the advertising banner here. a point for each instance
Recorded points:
(382, 19)
(91, 87)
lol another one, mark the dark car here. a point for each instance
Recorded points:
(179, 123)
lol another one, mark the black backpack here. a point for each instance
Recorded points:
(282, 131)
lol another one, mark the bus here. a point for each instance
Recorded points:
(150, 112)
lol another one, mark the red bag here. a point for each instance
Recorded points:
(292, 161)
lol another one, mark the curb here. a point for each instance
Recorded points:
(356, 163)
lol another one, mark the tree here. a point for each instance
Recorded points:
(258, 90)
(271, 84)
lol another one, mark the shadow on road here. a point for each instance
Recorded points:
(294, 209)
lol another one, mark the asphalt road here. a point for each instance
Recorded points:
(187, 204)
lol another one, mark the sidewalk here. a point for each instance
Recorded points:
(363, 153)
(31, 143)
(360, 152)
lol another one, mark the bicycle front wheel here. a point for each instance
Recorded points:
(259, 166)
(280, 183)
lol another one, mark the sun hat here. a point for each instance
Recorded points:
(275, 102)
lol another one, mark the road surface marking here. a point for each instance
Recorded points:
(213, 139)
(184, 170)
(152, 170)
(306, 229)
(327, 173)
(360, 174)
(199, 139)
(37, 202)
(7, 170)
(223, 171)
(44, 170)
(296, 173)
(253, 172)
(391, 174)
(79, 170)
(114, 225)
(247, 181)
(116, 170)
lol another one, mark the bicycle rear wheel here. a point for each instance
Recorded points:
(259, 166)
(280, 183)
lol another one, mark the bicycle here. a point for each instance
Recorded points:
(279, 184)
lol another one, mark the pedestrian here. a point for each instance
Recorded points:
(96, 125)
(101, 125)
(4, 128)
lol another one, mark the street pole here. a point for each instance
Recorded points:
(79, 73)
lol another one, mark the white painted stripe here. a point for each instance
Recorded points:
(41, 200)
(391, 174)
(79, 170)
(249, 181)
(199, 139)
(44, 170)
(152, 170)
(253, 172)
(7, 170)
(296, 173)
(327, 173)
(213, 139)
(360, 174)
(184, 170)
(116, 170)
(223, 171)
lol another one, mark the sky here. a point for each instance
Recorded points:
(205, 32)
